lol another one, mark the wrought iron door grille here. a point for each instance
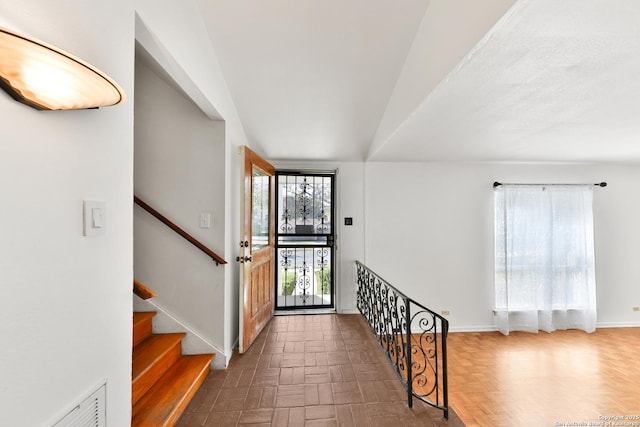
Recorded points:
(304, 241)
(413, 337)
(305, 204)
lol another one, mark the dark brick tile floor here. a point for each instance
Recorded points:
(314, 370)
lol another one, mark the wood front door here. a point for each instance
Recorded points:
(257, 254)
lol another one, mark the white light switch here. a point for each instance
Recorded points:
(93, 217)
(205, 219)
(96, 217)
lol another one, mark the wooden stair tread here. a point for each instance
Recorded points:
(154, 347)
(165, 401)
(151, 359)
(163, 380)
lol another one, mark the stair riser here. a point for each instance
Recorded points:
(142, 326)
(144, 382)
(141, 331)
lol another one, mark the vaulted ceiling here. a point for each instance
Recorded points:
(433, 80)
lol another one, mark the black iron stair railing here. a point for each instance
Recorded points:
(413, 337)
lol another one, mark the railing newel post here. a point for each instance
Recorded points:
(445, 385)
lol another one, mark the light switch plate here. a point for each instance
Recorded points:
(94, 217)
(205, 219)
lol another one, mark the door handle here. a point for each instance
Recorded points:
(244, 259)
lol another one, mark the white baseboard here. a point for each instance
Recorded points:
(193, 343)
(495, 328)
(350, 311)
(618, 325)
(491, 328)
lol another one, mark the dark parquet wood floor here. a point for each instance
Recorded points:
(319, 370)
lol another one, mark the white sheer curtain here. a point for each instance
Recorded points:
(544, 263)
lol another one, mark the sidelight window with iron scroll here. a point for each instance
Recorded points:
(305, 240)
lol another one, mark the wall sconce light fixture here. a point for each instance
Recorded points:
(48, 78)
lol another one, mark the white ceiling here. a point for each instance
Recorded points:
(423, 80)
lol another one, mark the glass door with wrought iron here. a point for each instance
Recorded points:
(304, 241)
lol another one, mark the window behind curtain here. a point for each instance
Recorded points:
(544, 261)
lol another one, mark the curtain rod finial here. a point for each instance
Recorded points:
(497, 184)
(602, 184)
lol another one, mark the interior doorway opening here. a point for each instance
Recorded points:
(305, 237)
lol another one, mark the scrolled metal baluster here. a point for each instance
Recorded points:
(379, 320)
(358, 288)
(380, 329)
(397, 358)
(384, 319)
(381, 300)
(365, 293)
(396, 330)
(401, 327)
(374, 305)
(392, 327)
(425, 360)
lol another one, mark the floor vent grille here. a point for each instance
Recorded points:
(89, 413)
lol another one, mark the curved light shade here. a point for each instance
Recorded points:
(48, 78)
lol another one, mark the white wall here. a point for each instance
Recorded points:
(429, 232)
(178, 30)
(65, 299)
(180, 171)
(350, 238)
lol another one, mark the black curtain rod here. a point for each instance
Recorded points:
(597, 184)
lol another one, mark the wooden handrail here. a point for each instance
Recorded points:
(142, 291)
(217, 258)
